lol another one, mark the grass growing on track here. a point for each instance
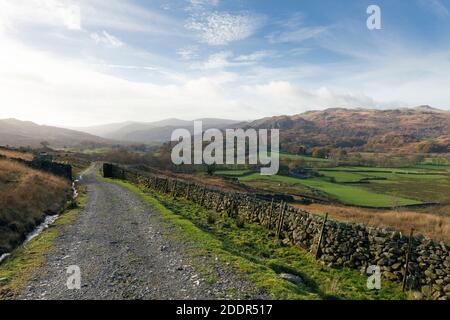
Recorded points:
(18, 268)
(253, 250)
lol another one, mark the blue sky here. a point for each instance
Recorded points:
(83, 62)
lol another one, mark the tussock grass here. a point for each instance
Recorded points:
(16, 154)
(25, 196)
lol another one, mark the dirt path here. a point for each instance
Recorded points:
(123, 252)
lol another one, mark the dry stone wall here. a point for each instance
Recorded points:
(342, 245)
(59, 169)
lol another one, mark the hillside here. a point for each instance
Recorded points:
(151, 132)
(26, 195)
(25, 133)
(371, 130)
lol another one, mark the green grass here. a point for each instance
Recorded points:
(424, 186)
(376, 169)
(254, 252)
(343, 176)
(347, 194)
(18, 268)
(433, 167)
(359, 196)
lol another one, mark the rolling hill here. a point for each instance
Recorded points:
(18, 133)
(152, 132)
(372, 130)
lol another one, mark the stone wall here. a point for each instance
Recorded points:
(59, 169)
(343, 245)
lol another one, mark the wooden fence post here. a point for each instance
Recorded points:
(269, 224)
(408, 253)
(187, 191)
(174, 190)
(281, 219)
(321, 236)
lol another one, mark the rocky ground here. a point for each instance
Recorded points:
(124, 251)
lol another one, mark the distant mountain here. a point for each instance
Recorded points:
(363, 129)
(102, 130)
(17, 133)
(153, 132)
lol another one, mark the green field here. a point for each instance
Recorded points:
(423, 186)
(368, 186)
(345, 193)
(434, 167)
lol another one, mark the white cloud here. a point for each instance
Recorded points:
(126, 16)
(188, 53)
(49, 12)
(224, 59)
(290, 98)
(298, 35)
(106, 39)
(69, 92)
(255, 56)
(204, 2)
(99, 86)
(222, 28)
(218, 60)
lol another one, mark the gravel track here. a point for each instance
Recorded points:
(124, 251)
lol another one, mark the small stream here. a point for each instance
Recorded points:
(48, 221)
(4, 256)
(44, 225)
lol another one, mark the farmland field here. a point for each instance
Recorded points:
(376, 187)
(348, 194)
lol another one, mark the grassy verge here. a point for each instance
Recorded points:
(16, 271)
(254, 251)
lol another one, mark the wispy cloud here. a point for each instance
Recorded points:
(294, 29)
(188, 53)
(225, 59)
(204, 2)
(255, 56)
(107, 39)
(222, 28)
(437, 7)
(218, 61)
(295, 36)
